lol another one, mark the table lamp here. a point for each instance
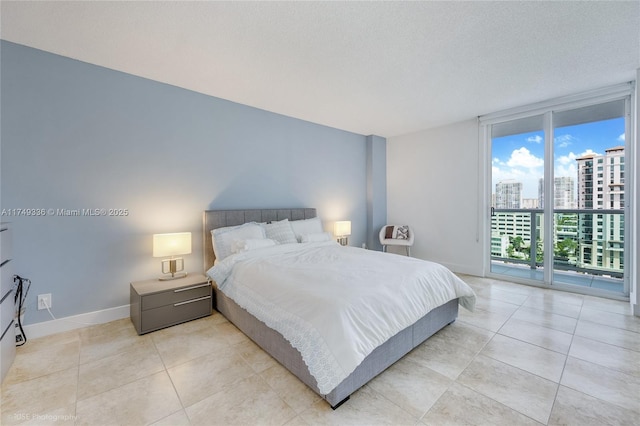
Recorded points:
(342, 230)
(172, 245)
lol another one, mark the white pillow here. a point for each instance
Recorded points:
(252, 244)
(306, 227)
(281, 232)
(223, 238)
(316, 238)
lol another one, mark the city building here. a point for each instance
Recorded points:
(530, 203)
(508, 194)
(507, 226)
(564, 193)
(601, 187)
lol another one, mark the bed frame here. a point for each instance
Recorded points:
(280, 349)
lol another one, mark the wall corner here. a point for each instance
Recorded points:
(376, 189)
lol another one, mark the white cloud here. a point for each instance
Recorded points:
(499, 164)
(522, 166)
(564, 141)
(621, 138)
(535, 139)
(566, 159)
(566, 170)
(588, 152)
(503, 174)
(522, 157)
(565, 165)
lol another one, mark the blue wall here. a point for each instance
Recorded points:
(79, 136)
(376, 189)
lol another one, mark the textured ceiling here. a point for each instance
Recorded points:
(384, 68)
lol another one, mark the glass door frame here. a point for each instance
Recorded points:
(546, 109)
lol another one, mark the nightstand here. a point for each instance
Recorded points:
(7, 306)
(158, 304)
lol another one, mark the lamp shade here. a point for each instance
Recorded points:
(342, 228)
(175, 244)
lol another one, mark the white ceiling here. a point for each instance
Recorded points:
(384, 68)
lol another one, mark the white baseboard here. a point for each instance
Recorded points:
(59, 325)
(461, 269)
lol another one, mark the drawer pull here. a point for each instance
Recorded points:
(192, 300)
(191, 288)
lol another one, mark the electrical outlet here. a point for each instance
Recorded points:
(44, 301)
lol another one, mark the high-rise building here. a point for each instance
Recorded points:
(508, 194)
(601, 187)
(508, 225)
(601, 180)
(564, 193)
(587, 181)
(541, 193)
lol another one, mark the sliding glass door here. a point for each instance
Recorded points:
(558, 196)
(589, 160)
(517, 168)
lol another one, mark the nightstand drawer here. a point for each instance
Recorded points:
(164, 316)
(5, 244)
(158, 304)
(7, 312)
(6, 279)
(7, 348)
(177, 295)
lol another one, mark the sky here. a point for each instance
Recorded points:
(521, 157)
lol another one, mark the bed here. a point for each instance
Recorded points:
(279, 347)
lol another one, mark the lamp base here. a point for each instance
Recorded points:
(172, 276)
(174, 267)
(343, 241)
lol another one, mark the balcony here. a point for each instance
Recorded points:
(582, 257)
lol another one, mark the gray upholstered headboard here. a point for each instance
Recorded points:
(212, 219)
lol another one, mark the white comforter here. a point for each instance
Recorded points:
(336, 304)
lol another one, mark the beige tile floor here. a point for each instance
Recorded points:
(526, 356)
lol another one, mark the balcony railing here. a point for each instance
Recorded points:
(585, 241)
